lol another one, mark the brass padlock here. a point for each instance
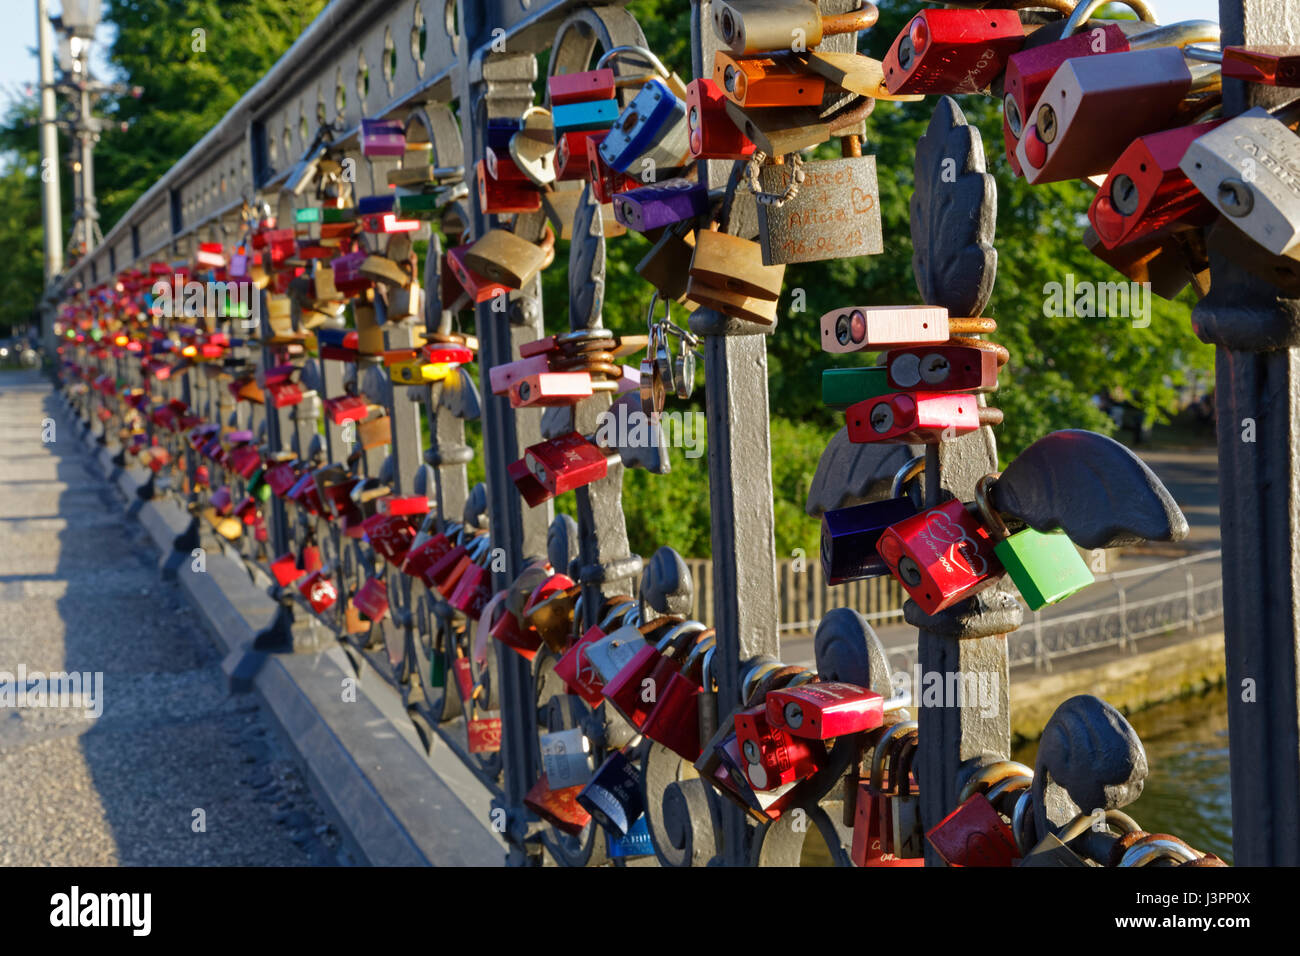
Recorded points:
(375, 433)
(732, 265)
(758, 26)
(668, 263)
(503, 257)
(827, 209)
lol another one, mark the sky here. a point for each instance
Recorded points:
(18, 39)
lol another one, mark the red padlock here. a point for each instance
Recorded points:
(319, 591)
(634, 690)
(576, 671)
(390, 536)
(772, 758)
(560, 808)
(824, 709)
(712, 133)
(923, 418)
(675, 720)
(565, 463)
(422, 556)
(974, 835)
(371, 599)
(503, 377)
(498, 196)
(580, 87)
(472, 591)
(941, 556)
(286, 570)
(952, 51)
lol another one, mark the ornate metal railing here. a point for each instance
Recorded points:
(444, 72)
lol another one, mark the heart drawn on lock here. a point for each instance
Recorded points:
(863, 201)
(940, 528)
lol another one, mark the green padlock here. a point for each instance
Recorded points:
(1046, 568)
(842, 387)
(438, 671)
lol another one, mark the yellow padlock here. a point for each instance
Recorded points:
(419, 373)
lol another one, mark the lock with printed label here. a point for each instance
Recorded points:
(390, 536)
(941, 556)
(1245, 169)
(822, 710)
(614, 795)
(952, 51)
(943, 368)
(319, 591)
(634, 690)
(712, 134)
(746, 27)
(924, 418)
(772, 757)
(1095, 106)
(869, 327)
(1046, 568)
(1147, 193)
(850, 535)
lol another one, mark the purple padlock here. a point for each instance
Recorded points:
(347, 268)
(662, 204)
(382, 138)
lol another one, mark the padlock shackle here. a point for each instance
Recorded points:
(1182, 34)
(1145, 853)
(1000, 352)
(855, 21)
(991, 776)
(1076, 827)
(1087, 8)
(907, 473)
(886, 742)
(653, 60)
(988, 514)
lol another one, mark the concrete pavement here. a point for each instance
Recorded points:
(175, 771)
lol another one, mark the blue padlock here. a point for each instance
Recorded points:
(500, 130)
(850, 535)
(372, 205)
(613, 795)
(651, 128)
(636, 842)
(581, 117)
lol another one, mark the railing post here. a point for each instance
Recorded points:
(1258, 375)
(1124, 641)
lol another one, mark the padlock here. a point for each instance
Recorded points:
(850, 535)
(565, 463)
(712, 134)
(1029, 71)
(636, 842)
(1167, 264)
(924, 418)
(371, 599)
(1051, 852)
(566, 758)
(685, 715)
(1046, 568)
(605, 180)
(549, 611)
(1146, 192)
(390, 536)
(822, 710)
(558, 806)
(732, 265)
(498, 196)
(346, 408)
(473, 590)
(375, 433)
(758, 26)
(502, 257)
(614, 795)
(941, 556)
(549, 389)
(286, 570)
(944, 368)
(634, 690)
(1095, 106)
(1246, 170)
(952, 51)
(872, 832)
(772, 757)
(974, 835)
(650, 133)
(319, 591)
(478, 287)
(503, 378)
(669, 202)
(868, 328)
(1275, 65)
(902, 810)
(445, 573)
(574, 668)
(584, 116)
(580, 87)
(422, 555)
(612, 653)
(774, 80)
